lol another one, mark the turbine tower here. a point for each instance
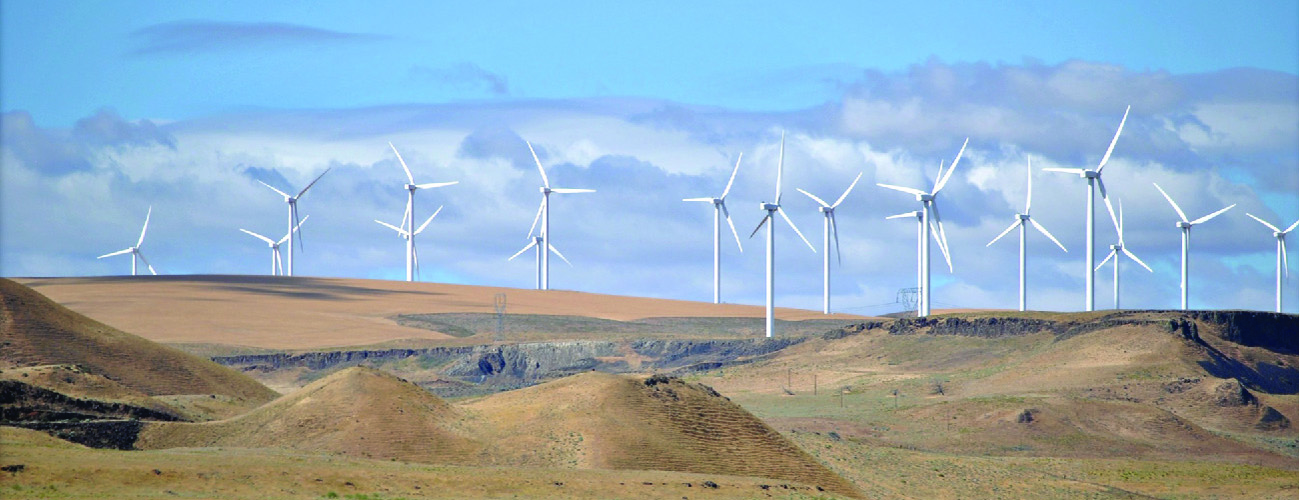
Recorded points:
(409, 220)
(1020, 221)
(719, 212)
(920, 235)
(773, 209)
(537, 242)
(1282, 266)
(1119, 248)
(829, 228)
(292, 200)
(1186, 227)
(135, 250)
(409, 236)
(276, 263)
(544, 214)
(1094, 179)
(931, 223)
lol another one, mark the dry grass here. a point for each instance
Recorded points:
(36, 331)
(311, 313)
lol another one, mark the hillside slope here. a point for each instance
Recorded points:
(357, 411)
(36, 331)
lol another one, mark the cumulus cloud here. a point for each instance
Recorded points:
(181, 37)
(1207, 142)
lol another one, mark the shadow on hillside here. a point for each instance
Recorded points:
(1265, 377)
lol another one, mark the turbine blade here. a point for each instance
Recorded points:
(1111, 149)
(146, 262)
(1211, 216)
(1181, 215)
(1104, 261)
(760, 224)
(531, 244)
(409, 178)
(937, 233)
(1110, 209)
(846, 191)
(558, 254)
(733, 177)
(415, 259)
(1003, 233)
(390, 226)
(902, 215)
(907, 190)
(258, 236)
(1293, 226)
(119, 252)
(781, 211)
(1270, 226)
(545, 182)
(816, 199)
(296, 223)
(1136, 259)
(1286, 267)
(145, 228)
(572, 190)
(427, 221)
(948, 175)
(313, 182)
(732, 225)
(1043, 230)
(780, 165)
(537, 217)
(278, 261)
(710, 200)
(282, 193)
(835, 230)
(431, 185)
(1029, 183)
(1075, 171)
(406, 213)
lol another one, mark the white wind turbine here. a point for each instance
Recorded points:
(719, 212)
(920, 240)
(1282, 266)
(930, 222)
(276, 263)
(1119, 248)
(409, 236)
(829, 228)
(135, 250)
(1186, 227)
(537, 242)
(292, 200)
(409, 219)
(544, 214)
(773, 209)
(1020, 221)
(1094, 178)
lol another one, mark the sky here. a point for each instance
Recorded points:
(109, 109)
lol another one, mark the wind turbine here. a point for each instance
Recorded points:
(829, 228)
(1118, 248)
(135, 250)
(931, 223)
(544, 214)
(1186, 226)
(276, 263)
(920, 240)
(1020, 221)
(409, 220)
(1282, 266)
(772, 209)
(719, 212)
(537, 242)
(409, 236)
(292, 200)
(1094, 178)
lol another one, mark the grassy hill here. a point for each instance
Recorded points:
(36, 331)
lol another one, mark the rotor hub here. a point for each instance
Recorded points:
(924, 197)
(544, 190)
(1183, 224)
(1024, 217)
(1090, 174)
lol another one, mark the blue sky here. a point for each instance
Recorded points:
(111, 108)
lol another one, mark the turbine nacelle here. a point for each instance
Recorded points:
(925, 197)
(1023, 217)
(1182, 224)
(1089, 174)
(770, 207)
(544, 190)
(826, 210)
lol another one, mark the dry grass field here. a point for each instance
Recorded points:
(1096, 405)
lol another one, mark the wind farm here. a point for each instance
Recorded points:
(453, 368)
